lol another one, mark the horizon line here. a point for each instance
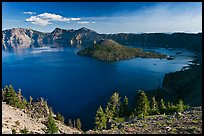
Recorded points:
(109, 33)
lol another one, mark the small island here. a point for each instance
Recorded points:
(109, 50)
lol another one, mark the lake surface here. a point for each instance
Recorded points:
(75, 85)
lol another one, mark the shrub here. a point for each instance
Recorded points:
(60, 117)
(13, 131)
(24, 131)
(51, 126)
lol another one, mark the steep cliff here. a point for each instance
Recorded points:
(23, 38)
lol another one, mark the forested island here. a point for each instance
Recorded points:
(110, 50)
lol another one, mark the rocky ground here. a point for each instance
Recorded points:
(188, 122)
(14, 118)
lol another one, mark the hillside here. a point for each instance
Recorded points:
(184, 84)
(110, 50)
(14, 118)
(148, 115)
(189, 122)
(25, 38)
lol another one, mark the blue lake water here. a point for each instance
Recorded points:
(73, 83)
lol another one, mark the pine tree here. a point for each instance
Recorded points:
(154, 106)
(113, 105)
(51, 126)
(100, 119)
(142, 104)
(10, 96)
(124, 110)
(180, 106)
(162, 107)
(78, 124)
(168, 105)
(108, 113)
(60, 117)
(70, 123)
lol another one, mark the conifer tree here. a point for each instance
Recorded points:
(60, 117)
(100, 119)
(10, 96)
(113, 105)
(78, 124)
(162, 107)
(154, 106)
(108, 113)
(168, 105)
(180, 106)
(51, 126)
(124, 110)
(142, 104)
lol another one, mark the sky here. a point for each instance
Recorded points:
(105, 17)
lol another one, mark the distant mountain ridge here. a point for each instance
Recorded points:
(25, 38)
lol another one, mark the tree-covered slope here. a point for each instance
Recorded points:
(110, 50)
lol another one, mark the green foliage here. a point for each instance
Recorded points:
(24, 131)
(180, 106)
(13, 131)
(78, 124)
(51, 126)
(154, 106)
(162, 107)
(100, 119)
(113, 106)
(142, 104)
(110, 50)
(12, 98)
(124, 110)
(60, 117)
(120, 120)
(9, 96)
(171, 108)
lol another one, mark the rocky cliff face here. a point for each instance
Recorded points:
(185, 84)
(20, 37)
(24, 38)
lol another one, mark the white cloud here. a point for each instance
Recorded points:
(83, 22)
(93, 22)
(30, 13)
(38, 21)
(45, 19)
(75, 19)
(53, 17)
